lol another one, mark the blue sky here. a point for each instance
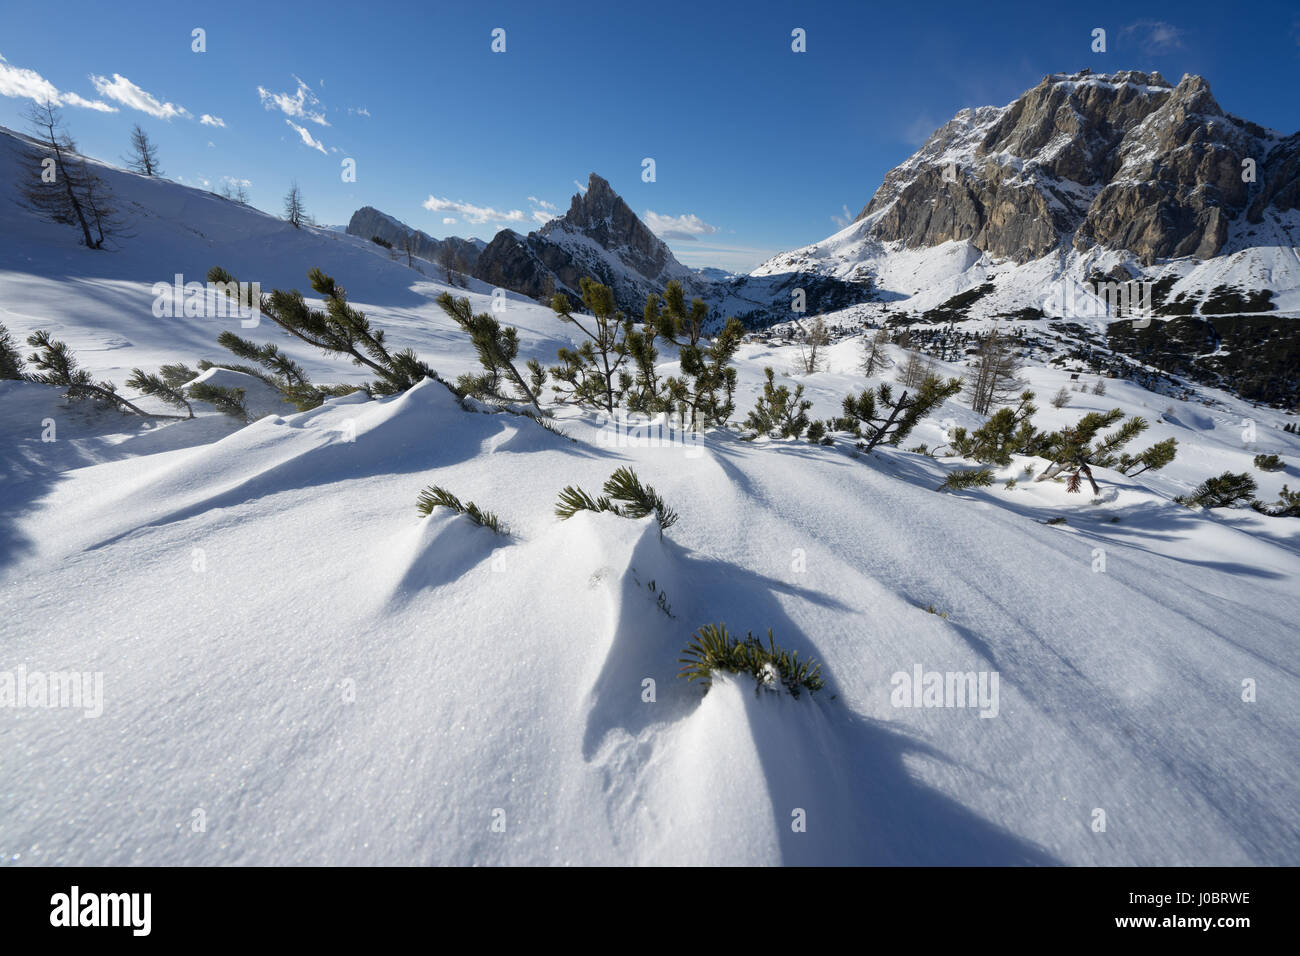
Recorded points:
(757, 148)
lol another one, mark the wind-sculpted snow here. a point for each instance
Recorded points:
(298, 668)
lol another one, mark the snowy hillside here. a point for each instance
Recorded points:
(292, 655)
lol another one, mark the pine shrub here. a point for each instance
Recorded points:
(634, 500)
(435, 496)
(1269, 463)
(713, 649)
(970, 478)
(777, 411)
(11, 360)
(1224, 491)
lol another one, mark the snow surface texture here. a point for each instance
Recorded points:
(295, 659)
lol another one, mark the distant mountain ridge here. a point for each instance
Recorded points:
(600, 237)
(368, 222)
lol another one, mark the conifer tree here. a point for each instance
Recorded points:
(1288, 505)
(778, 411)
(56, 365)
(812, 346)
(144, 154)
(227, 400)
(168, 385)
(1008, 431)
(11, 359)
(970, 478)
(294, 212)
(996, 367)
(875, 357)
(876, 417)
(1071, 451)
(59, 186)
(594, 371)
(683, 324)
(646, 394)
(497, 349)
(339, 329)
(634, 500)
(1152, 459)
(1224, 491)
(706, 389)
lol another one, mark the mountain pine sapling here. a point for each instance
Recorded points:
(1071, 451)
(1008, 431)
(877, 418)
(1288, 505)
(1225, 491)
(1152, 459)
(623, 486)
(706, 389)
(969, 478)
(227, 400)
(777, 411)
(713, 649)
(11, 360)
(497, 349)
(594, 371)
(435, 496)
(56, 365)
(168, 385)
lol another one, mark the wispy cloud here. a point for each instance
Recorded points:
(919, 130)
(541, 202)
(123, 91)
(737, 259)
(843, 220)
(307, 137)
(472, 213)
(27, 84)
(581, 188)
(209, 120)
(688, 226)
(448, 220)
(359, 111)
(1154, 36)
(302, 104)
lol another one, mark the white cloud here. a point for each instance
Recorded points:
(473, 214)
(688, 226)
(359, 111)
(843, 220)
(448, 220)
(581, 187)
(28, 84)
(128, 94)
(307, 138)
(542, 217)
(1155, 36)
(208, 120)
(919, 130)
(541, 202)
(300, 104)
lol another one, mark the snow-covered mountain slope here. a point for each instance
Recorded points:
(293, 658)
(1085, 179)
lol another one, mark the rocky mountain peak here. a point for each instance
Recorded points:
(1124, 160)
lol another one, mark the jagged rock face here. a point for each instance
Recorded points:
(1281, 189)
(510, 262)
(1125, 161)
(368, 221)
(602, 216)
(599, 237)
